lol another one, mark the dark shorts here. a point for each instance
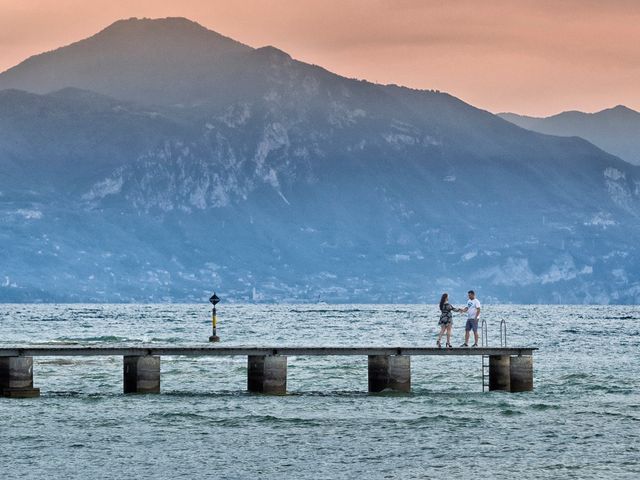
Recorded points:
(472, 324)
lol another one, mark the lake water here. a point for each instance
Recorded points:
(582, 420)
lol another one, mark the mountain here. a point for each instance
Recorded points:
(615, 130)
(168, 62)
(281, 181)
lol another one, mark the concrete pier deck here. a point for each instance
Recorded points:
(207, 350)
(510, 368)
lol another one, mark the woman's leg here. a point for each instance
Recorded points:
(442, 329)
(449, 334)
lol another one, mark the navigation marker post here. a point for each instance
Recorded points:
(214, 301)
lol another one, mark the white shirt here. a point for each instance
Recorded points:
(473, 306)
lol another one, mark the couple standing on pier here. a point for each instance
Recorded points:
(472, 309)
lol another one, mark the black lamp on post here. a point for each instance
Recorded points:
(214, 301)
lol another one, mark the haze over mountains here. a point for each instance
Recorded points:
(158, 160)
(615, 130)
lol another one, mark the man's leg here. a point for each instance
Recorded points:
(474, 325)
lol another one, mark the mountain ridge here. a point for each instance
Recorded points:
(290, 181)
(615, 130)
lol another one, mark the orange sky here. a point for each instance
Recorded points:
(535, 57)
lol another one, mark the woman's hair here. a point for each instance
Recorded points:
(443, 300)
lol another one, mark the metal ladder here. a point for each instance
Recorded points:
(485, 358)
(485, 343)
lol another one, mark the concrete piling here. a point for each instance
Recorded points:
(521, 373)
(16, 377)
(141, 374)
(267, 374)
(389, 372)
(500, 372)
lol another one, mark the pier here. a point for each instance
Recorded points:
(510, 369)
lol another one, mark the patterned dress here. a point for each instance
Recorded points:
(446, 317)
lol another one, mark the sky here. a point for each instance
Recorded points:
(533, 57)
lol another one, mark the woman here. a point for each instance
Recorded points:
(446, 319)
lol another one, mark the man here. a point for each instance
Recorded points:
(473, 315)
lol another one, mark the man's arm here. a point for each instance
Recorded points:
(464, 310)
(477, 313)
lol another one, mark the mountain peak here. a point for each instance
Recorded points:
(137, 59)
(620, 110)
(134, 24)
(169, 29)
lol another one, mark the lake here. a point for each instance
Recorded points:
(581, 421)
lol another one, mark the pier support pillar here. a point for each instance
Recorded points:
(500, 372)
(521, 373)
(267, 374)
(16, 377)
(141, 374)
(389, 372)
